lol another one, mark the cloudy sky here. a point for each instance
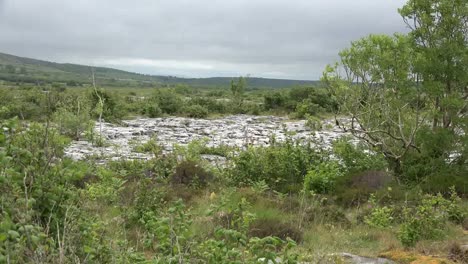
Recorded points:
(292, 39)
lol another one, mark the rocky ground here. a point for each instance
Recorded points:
(238, 130)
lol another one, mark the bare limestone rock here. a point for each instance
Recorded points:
(236, 131)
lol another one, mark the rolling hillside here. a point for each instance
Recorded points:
(20, 69)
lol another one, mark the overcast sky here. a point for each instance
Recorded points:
(194, 38)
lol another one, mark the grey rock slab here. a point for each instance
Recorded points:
(350, 258)
(236, 131)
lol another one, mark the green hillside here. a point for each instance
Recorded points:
(20, 69)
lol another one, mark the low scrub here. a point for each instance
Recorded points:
(282, 166)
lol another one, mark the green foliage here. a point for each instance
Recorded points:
(37, 195)
(302, 101)
(237, 90)
(426, 220)
(322, 177)
(167, 100)
(404, 91)
(357, 158)
(307, 107)
(230, 246)
(110, 108)
(168, 233)
(260, 187)
(405, 95)
(150, 146)
(232, 214)
(153, 110)
(192, 174)
(282, 166)
(313, 122)
(72, 122)
(380, 216)
(196, 111)
(274, 100)
(106, 188)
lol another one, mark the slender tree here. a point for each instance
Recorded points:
(407, 94)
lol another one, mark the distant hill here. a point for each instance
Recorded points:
(20, 69)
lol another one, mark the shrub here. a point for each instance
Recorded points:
(307, 108)
(112, 109)
(455, 212)
(196, 111)
(106, 188)
(71, 123)
(380, 216)
(313, 122)
(153, 110)
(168, 101)
(321, 178)
(212, 105)
(192, 174)
(356, 188)
(425, 221)
(357, 158)
(282, 166)
(274, 100)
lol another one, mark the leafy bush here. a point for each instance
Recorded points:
(307, 107)
(212, 105)
(112, 109)
(71, 123)
(322, 177)
(191, 173)
(153, 110)
(168, 233)
(380, 216)
(282, 166)
(425, 221)
(167, 100)
(274, 100)
(357, 158)
(196, 111)
(106, 188)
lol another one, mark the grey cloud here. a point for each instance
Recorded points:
(270, 38)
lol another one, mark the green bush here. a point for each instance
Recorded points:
(169, 101)
(282, 166)
(274, 100)
(196, 111)
(426, 220)
(153, 110)
(71, 123)
(212, 105)
(192, 174)
(112, 107)
(380, 216)
(322, 177)
(357, 158)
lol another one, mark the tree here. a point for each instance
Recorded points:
(405, 93)
(377, 92)
(439, 35)
(238, 89)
